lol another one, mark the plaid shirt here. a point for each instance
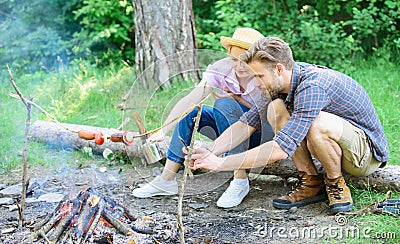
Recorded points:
(314, 89)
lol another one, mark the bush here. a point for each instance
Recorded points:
(107, 31)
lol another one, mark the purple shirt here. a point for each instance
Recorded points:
(314, 89)
(221, 75)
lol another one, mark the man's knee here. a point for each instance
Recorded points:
(277, 114)
(325, 125)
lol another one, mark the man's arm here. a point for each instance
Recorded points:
(231, 137)
(254, 158)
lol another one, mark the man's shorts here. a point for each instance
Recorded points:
(357, 157)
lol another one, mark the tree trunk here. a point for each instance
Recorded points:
(164, 41)
(49, 132)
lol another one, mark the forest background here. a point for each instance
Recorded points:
(77, 59)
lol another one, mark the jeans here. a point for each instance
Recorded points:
(214, 121)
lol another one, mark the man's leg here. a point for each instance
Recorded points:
(339, 145)
(166, 183)
(310, 188)
(278, 116)
(322, 138)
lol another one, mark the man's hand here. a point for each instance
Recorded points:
(203, 158)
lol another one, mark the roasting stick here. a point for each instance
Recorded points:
(126, 137)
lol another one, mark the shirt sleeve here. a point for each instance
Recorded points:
(213, 76)
(309, 101)
(257, 114)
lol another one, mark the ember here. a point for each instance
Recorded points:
(77, 218)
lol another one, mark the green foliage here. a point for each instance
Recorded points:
(39, 35)
(34, 33)
(107, 30)
(377, 25)
(327, 32)
(313, 39)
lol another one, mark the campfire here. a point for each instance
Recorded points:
(76, 219)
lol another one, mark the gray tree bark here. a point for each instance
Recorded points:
(387, 178)
(164, 41)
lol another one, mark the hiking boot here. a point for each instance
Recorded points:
(157, 187)
(310, 189)
(233, 195)
(339, 195)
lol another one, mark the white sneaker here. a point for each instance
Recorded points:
(157, 187)
(233, 196)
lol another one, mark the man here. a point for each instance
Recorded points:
(237, 95)
(314, 111)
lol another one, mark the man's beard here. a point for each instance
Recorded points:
(277, 89)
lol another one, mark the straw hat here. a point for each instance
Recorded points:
(242, 37)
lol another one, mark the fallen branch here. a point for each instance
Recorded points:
(383, 179)
(27, 103)
(185, 173)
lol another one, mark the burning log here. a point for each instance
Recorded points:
(78, 218)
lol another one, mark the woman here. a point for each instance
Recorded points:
(237, 95)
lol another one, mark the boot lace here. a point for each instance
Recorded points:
(335, 191)
(299, 185)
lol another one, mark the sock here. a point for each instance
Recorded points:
(162, 180)
(241, 182)
(332, 181)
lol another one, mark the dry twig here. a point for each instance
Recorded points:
(27, 104)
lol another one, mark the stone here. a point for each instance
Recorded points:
(6, 201)
(13, 191)
(197, 206)
(51, 197)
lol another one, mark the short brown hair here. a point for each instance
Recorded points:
(270, 50)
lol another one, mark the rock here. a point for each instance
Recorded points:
(197, 206)
(258, 227)
(13, 191)
(277, 218)
(7, 231)
(2, 186)
(31, 199)
(102, 169)
(36, 183)
(310, 223)
(156, 171)
(51, 197)
(294, 217)
(149, 212)
(12, 208)
(267, 178)
(6, 201)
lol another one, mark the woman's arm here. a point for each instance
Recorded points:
(193, 98)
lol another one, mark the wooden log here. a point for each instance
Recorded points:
(383, 179)
(121, 227)
(52, 134)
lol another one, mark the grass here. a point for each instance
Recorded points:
(83, 94)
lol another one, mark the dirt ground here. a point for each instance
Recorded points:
(253, 221)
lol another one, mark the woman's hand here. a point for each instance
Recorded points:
(203, 158)
(158, 136)
(228, 93)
